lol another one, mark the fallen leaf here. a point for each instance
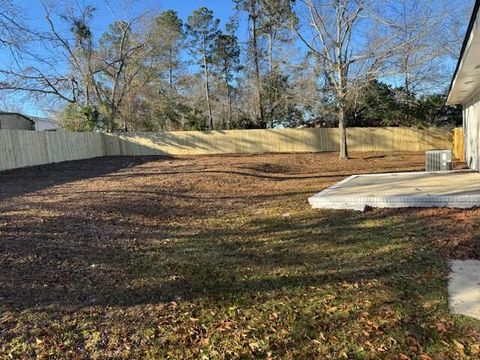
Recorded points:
(441, 327)
(253, 346)
(459, 346)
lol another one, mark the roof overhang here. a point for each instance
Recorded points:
(466, 79)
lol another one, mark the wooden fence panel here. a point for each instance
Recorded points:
(20, 148)
(223, 142)
(279, 140)
(458, 144)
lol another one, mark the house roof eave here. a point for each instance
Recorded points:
(467, 40)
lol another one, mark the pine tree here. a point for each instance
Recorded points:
(202, 28)
(226, 59)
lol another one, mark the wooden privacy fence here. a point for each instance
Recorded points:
(281, 140)
(26, 148)
(20, 148)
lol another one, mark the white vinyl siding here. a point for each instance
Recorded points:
(471, 127)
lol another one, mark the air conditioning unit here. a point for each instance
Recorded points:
(438, 160)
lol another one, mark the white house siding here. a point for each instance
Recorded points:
(45, 124)
(471, 126)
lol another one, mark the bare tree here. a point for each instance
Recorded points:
(14, 34)
(122, 53)
(38, 73)
(452, 32)
(132, 75)
(72, 69)
(16, 38)
(334, 24)
(425, 29)
(352, 41)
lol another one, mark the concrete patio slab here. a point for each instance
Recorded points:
(464, 288)
(455, 189)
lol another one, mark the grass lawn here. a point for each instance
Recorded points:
(221, 257)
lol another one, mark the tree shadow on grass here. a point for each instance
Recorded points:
(135, 246)
(372, 262)
(75, 261)
(23, 181)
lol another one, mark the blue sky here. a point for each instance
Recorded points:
(109, 10)
(222, 8)
(106, 12)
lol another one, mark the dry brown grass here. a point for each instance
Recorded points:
(221, 257)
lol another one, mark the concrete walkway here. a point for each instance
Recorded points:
(464, 288)
(456, 189)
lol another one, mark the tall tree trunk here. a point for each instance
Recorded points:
(170, 68)
(229, 95)
(87, 93)
(224, 117)
(207, 85)
(406, 74)
(270, 52)
(113, 116)
(341, 70)
(258, 81)
(343, 133)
